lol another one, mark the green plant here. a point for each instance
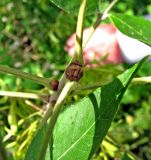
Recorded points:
(78, 130)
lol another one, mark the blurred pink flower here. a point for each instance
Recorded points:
(102, 42)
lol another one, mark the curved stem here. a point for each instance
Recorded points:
(18, 73)
(54, 116)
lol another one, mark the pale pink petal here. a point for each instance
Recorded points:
(102, 42)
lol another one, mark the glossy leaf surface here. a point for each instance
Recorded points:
(73, 7)
(81, 127)
(135, 27)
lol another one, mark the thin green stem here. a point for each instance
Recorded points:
(34, 106)
(54, 116)
(46, 116)
(105, 13)
(78, 55)
(120, 146)
(52, 100)
(141, 80)
(80, 88)
(21, 95)
(18, 73)
(99, 19)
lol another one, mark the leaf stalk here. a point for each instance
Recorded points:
(18, 73)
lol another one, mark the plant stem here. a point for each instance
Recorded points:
(20, 95)
(120, 147)
(54, 116)
(99, 19)
(46, 116)
(105, 13)
(64, 88)
(39, 80)
(87, 87)
(142, 80)
(34, 106)
(78, 55)
(52, 99)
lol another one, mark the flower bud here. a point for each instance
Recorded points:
(54, 84)
(74, 71)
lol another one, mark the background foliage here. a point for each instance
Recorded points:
(33, 40)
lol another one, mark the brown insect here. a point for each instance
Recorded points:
(74, 71)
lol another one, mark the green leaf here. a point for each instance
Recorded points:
(81, 127)
(126, 157)
(132, 26)
(35, 146)
(73, 7)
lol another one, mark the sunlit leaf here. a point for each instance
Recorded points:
(73, 7)
(81, 127)
(132, 26)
